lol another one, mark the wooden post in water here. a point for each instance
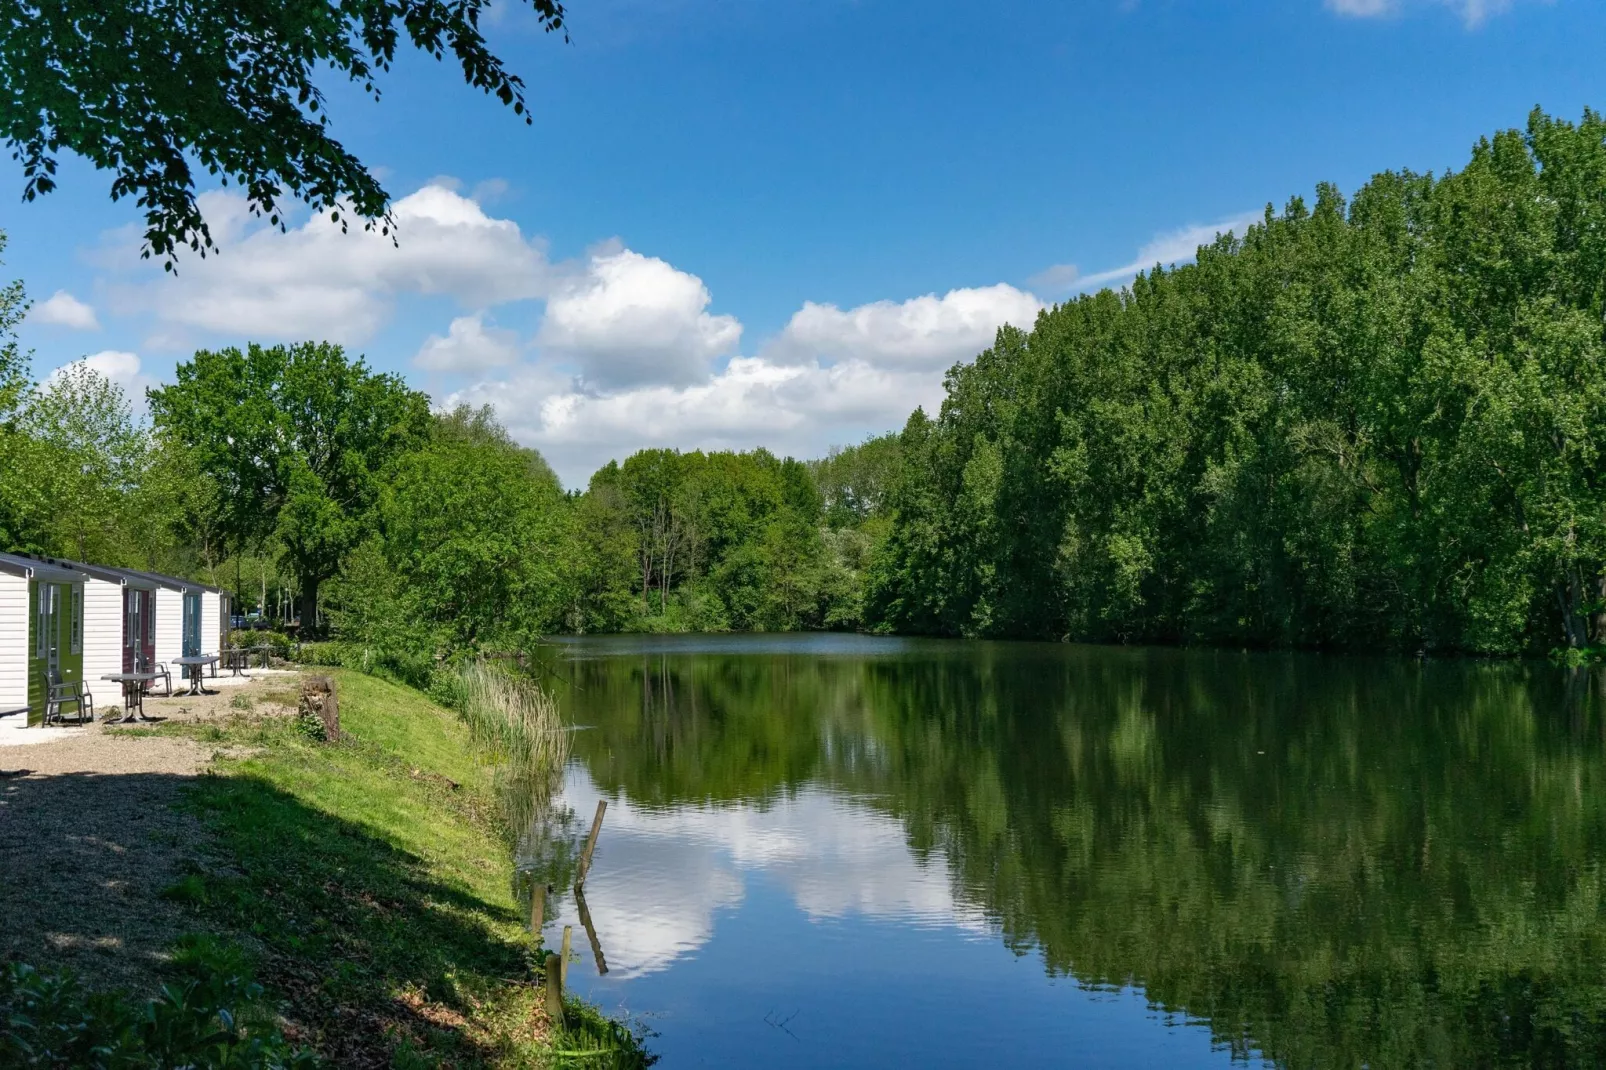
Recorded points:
(591, 843)
(563, 972)
(554, 990)
(591, 932)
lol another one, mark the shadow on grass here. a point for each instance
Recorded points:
(83, 859)
(376, 963)
(379, 962)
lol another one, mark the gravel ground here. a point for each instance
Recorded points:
(90, 835)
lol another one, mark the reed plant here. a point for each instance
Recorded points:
(517, 724)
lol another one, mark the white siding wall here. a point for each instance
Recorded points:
(103, 639)
(170, 629)
(211, 621)
(13, 652)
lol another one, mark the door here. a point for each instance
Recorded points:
(47, 629)
(135, 612)
(192, 624)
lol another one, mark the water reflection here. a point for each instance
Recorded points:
(1325, 861)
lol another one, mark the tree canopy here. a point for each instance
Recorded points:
(296, 437)
(1367, 423)
(151, 90)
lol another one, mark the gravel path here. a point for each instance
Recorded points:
(90, 835)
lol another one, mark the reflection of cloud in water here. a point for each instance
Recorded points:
(661, 875)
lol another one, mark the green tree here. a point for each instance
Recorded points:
(21, 503)
(296, 438)
(1366, 423)
(474, 526)
(88, 458)
(151, 89)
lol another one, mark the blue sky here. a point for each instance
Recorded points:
(739, 223)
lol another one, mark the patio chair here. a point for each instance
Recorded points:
(61, 693)
(143, 663)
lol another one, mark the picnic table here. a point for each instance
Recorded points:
(193, 665)
(133, 694)
(237, 659)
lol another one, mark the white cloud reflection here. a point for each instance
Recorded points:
(662, 877)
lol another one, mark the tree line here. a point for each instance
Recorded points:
(322, 491)
(1366, 423)
(1373, 423)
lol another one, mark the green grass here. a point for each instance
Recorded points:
(379, 894)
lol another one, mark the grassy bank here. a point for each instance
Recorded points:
(372, 881)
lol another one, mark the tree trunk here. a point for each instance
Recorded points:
(308, 608)
(1600, 608)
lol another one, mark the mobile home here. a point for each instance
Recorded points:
(41, 636)
(190, 617)
(119, 615)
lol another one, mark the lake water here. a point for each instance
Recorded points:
(859, 852)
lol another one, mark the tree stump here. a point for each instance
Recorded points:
(320, 707)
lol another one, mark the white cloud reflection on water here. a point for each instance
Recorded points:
(662, 876)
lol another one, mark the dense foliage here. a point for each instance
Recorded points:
(151, 89)
(1364, 424)
(294, 439)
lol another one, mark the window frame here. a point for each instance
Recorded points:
(41, 613)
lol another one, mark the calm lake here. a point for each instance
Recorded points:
(846, 851)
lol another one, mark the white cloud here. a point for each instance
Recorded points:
(831, 376)
(927, 332)
(63, 309)
(1473, 12)
(800, 409)
(628, 319)
(316, 282)
(470, 346)
(120, 367)
(1056, 278)
(1173, 247)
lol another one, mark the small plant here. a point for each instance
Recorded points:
(242, 702)
(209, 1017)
(310, 725)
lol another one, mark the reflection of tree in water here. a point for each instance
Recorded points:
(547, 854)
(1333, 861)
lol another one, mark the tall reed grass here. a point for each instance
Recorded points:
(517, 724)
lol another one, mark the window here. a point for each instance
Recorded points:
(41, 618)
(77, 618)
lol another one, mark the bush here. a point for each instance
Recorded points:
(414, 669)
(48, 1019)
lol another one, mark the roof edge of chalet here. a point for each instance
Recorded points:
(33, 568)
(122, 576)
(172, 583)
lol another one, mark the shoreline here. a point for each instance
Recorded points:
(368, 882)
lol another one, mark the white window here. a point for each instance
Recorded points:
(41, 618)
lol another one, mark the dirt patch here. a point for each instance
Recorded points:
(91, 834)
(265, 694)
(84, 858)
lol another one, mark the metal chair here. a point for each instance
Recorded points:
(61, 693)
(143, 663)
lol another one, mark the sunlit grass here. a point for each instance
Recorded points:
(374, 874)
